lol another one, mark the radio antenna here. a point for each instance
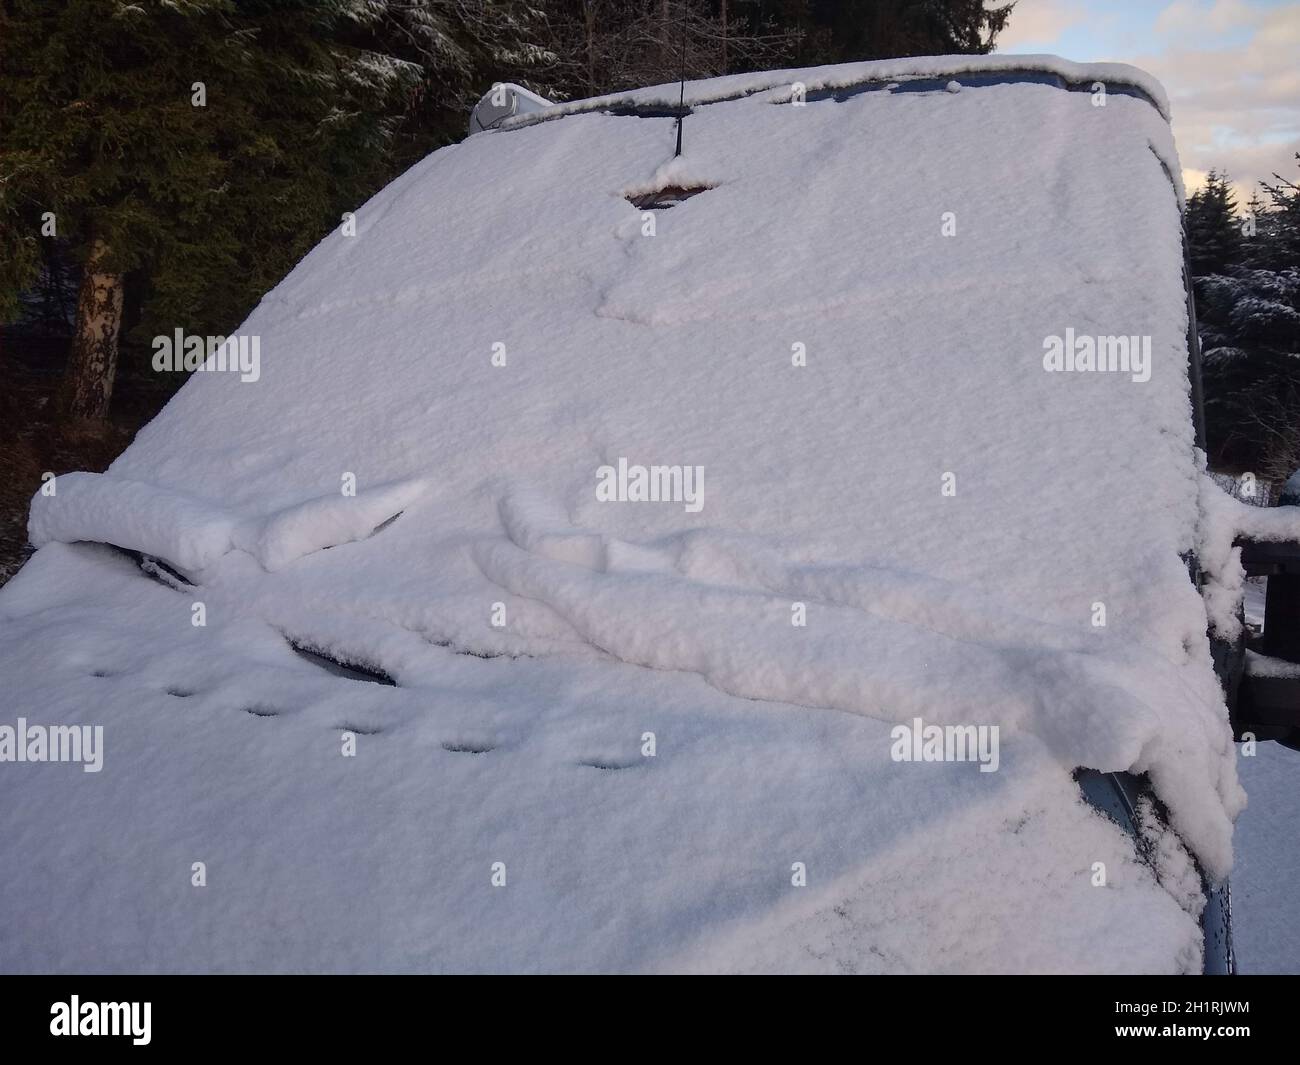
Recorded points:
(681, 96)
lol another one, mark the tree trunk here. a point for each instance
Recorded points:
(726, 64)
(88, 380)
(666, 36)
(589, 16)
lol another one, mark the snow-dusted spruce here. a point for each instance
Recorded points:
(171, 201)
(906, 517)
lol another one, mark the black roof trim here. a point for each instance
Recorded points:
(977, 80)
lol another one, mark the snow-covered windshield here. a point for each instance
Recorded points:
(893, 420)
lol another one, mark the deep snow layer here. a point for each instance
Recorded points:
(221, 746)
(502, 325)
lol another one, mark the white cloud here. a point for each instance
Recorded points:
(1199, 20)
(1235, 107)
(1039, 24)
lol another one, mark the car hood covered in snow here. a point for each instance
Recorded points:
(629, 734)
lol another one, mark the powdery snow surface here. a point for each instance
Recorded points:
(222, 746)
(821, 227)
(1265, 899)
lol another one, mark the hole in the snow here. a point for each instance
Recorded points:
(351, 668)
(662, 199)
(468, 748)
(103, 673)
(180, 693)
(156, 569)
(386, 523)
(163, 573)
(360, 730)
(608, 763)
(475, 654)
(262, 711)
(373, 532)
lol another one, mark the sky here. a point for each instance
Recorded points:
(1231, 69)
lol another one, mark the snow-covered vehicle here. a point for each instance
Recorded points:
(740, 560)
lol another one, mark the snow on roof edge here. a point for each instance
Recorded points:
(845, 75)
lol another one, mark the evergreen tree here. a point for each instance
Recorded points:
(844, 31)
(1281, 247)
(201, 142)
(1248, 314)
(83, 150)
(1213, 228)
(460, 48)
(605, 45)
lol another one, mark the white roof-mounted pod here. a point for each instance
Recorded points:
(502, 101)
